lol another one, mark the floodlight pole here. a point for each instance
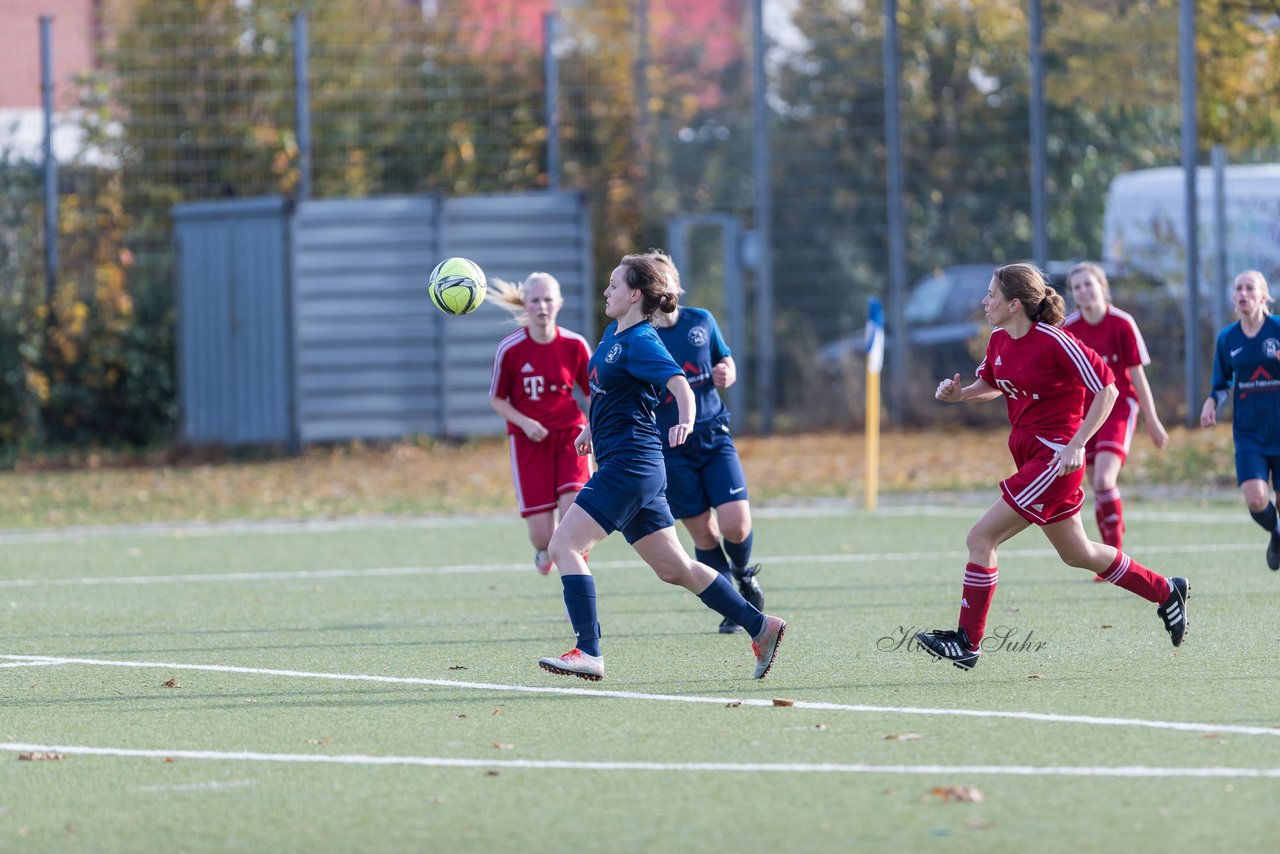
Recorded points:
(763, 215)
(897, 231)
(1190, 149)
(302, 101)
(551, 98)
(50, 164)
(1040, 237)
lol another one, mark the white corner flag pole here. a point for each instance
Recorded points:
(875, 361)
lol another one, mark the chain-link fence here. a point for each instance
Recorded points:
(200, 100)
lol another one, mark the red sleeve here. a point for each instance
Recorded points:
(584, 357)
(1130, 353)
(500, 387)
(985, 371)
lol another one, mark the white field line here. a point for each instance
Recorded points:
(456, 569)
(210, 786)
(31, 663)
(834, 510)
(1090, 720)
(696, 767)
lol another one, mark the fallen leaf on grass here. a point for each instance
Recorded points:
(172, 683)
(779, 701)
(501, 746)
(41, 756)
(819, 726)
(1108, 626)
(325, 740)
(497, 711)
(733, 704)
(1035, 676)
(491, 773)
(460, 716)
(457, 667)
(903, 736)
(169, 760)
(1213, 735)
(959, 794)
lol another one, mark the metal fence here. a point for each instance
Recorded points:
(654, 121)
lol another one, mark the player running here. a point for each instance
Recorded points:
(1045, 376)
(1246, 359)
(1112, 334)
(705, 473)
(534, 373)
(628, 370)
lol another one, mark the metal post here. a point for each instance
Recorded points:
(1190, 146)
(1040, 238)
(1217, 305)
(897, 231)
(551, 98)
(763, 215)
(302, 98)
(641, 83)
(50, 163)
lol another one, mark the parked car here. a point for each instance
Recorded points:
(943, 313)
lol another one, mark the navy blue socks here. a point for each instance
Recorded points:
(713, 557)
(728, 603)
(739, 553)
(1266, 517)
(580, 600)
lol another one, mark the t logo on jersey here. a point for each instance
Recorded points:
(1008, 388)
(533, 387)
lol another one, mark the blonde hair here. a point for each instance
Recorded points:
(1267, 298)
(666, 262)
(1096, 271)
(511, 297)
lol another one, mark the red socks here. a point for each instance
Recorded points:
(975, 602)
(1109, 511)
(1132, 576)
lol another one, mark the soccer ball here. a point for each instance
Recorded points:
(457, 286)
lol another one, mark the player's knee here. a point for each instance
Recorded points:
(736, 532)
(670, 572)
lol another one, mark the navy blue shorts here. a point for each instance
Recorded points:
(1252, 464)
(704, 472)
(628, 496)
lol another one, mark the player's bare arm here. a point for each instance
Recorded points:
(951, 391)
(1072, 454)
(725, 373)
(1147, 403)
(531, 427)
(686, 407)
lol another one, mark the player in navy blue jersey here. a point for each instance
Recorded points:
(1246, 360)
(705, 473)
(627, 372)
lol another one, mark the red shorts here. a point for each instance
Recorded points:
(1036, 491)
(1116, 433)
(543, 471)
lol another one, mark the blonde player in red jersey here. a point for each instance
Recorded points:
(1112, 334)
(534, 374)
(1046, 377)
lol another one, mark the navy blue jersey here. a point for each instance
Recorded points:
(696, 344)
(627, 372)
(1251, 368)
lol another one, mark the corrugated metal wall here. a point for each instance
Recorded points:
(370, 357)
(233, 347)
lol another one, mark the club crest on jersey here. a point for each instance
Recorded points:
(1270, 348)
(698, 336)
(614, 352)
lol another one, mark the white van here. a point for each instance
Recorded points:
(1144, 228)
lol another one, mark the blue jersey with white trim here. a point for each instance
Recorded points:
(696, 344)
(627, 372)
(1250, 368)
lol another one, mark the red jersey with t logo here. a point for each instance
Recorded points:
(538, 379)
(1116, 339)
(1044, 377)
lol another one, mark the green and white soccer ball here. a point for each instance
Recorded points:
(457, 286)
